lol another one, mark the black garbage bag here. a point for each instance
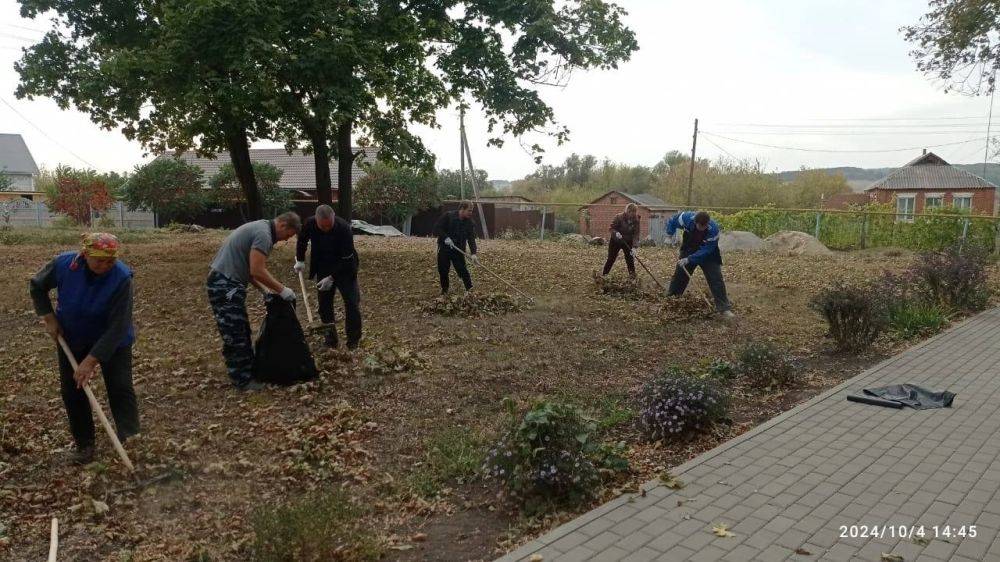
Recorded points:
(281, 354)
(913, 396)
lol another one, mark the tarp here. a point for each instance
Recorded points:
(368, 228)
(911, 395)
(281, 354)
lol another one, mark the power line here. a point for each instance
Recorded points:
(26, 28)
(852, 126)
(986, 152)
(711, 142)
(977, 139)
(866, 119)
(46, 135)
(19, 37)
(851, 134)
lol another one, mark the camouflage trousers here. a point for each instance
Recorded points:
(229, 305)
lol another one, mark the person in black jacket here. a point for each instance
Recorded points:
(453, 230)
(334, 264)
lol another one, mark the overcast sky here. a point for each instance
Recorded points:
(747, 69)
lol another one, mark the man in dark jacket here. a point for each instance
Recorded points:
(334, 264)
(699, 248)
(453, 230)
(94, 316)
(624, 235)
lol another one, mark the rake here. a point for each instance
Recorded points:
(501, 279)
(313, 326)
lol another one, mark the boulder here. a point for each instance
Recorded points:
(597, 241)
(576, 239)
(739, 241)
(794, 243)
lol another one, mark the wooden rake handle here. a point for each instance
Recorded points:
(96, 406)
(54, 540)
(700, 291)
(501, 279)
(305, 298)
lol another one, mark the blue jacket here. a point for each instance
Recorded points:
(708, 251)
(84, 300)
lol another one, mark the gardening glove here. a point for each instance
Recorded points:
(683, 262)
(632, 251)
(449, 243)
(475, 259)
(299, 266)
(288, 294)
(618, 235)
(325, 284)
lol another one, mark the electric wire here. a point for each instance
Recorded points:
(853, 151)
(46, 135)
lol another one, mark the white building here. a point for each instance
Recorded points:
(17, 163)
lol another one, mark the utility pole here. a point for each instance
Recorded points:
(694, 147)
(461, 140)
(472, 174)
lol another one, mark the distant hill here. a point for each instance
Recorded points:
(860, 178)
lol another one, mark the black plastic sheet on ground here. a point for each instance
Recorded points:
(899, 395)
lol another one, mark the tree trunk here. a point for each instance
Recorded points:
(239, 154)
(321, 154)
(345, 163)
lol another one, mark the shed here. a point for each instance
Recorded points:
(596, 216)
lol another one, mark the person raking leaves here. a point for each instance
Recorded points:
(334, 263)
(699, 248)
(241, 260)
(94, 315)
(624, 235)
(454, 230)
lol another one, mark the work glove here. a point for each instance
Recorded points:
(618, 235)
(475, 259)
(287, 294)
(683, 262)
(299, 266)
(449, 243)
(632, 251)
(325, 284)
(672, 239)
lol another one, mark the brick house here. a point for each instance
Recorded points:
(929, 182)
(596, 216)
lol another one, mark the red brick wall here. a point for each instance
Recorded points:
(982, 199)
(601, 216)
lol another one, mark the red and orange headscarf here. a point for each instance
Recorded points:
(100, 245)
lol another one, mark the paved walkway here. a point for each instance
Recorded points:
(792, 482)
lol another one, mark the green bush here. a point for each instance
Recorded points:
(721, 369)
(910, 319)
(763, 366)
(675, 406)
(550, 454)
(856, 314)
(953, 279)
(313, 529)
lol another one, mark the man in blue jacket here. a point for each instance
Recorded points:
(699, 248)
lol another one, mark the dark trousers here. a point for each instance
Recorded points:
(448, 258)
(117, 373)
(349, 290)
(716, 284)
(615, 246)
(229, 306)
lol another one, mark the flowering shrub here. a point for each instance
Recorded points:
(676, 406)
(551, 454)
(764, 367)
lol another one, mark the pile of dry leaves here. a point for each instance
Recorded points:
(472, 304)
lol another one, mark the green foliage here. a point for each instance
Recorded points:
(449, 184)
(67, 234)
(453, 455)
(167, 186)
(856, 314)
(676, 406)
(226, 192)
(721, 369)
(392, 193)
(911, 319)
(550, 454)
(764, 366)
(6, 184)
(315, 528)
(954, 279)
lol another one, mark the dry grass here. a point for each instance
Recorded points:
(367, 430)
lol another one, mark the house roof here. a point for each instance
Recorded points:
(930, 171)
(643, 200)
(15, 158)
(299, 168)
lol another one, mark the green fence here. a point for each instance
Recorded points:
(872, 227)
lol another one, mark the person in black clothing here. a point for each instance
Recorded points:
(453, 230)
(624, 235)
(334, 264)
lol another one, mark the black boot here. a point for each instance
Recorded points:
(84, 455)
(331, 340)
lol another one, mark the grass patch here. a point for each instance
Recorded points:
(914, 319)
(313, 529)
(613, 411)
(453, 455)
(56, 236)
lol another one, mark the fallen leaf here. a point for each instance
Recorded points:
(536, 558)
(670, 481)
(722, 530)
(922, 541)
(891, 557)
(802, 551)
(100, 508)
(419, 537)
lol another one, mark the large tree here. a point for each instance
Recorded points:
(172, 74)
(958, 41)
(169, 187)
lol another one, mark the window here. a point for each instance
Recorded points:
(614, 200)
(933, 201)
(962, 201)
(904, 207)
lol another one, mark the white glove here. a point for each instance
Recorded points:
(682, 262)
(632, 251)
(299, 266)
(449, 243)
(287, 294)
(618, 235)
(475, 259)
(325, 284)
(672, 239)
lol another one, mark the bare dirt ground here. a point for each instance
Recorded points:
(365, 426)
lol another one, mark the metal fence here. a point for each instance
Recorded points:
(34, 213)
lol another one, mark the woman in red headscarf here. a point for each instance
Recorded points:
(94, 316)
